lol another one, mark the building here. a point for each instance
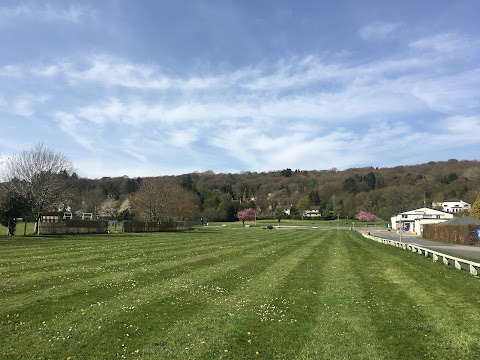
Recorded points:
(312, 212)
(455, 206)
(287, 210)
(412, 221)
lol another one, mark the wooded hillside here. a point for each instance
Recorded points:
(382, 191)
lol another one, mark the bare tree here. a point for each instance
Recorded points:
(164, 200)
(40, 175)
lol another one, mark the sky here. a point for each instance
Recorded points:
(150, 88)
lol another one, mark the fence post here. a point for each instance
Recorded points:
(445, 261)
(473, 270)
(458, 266)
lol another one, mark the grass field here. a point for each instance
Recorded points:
(217, 293)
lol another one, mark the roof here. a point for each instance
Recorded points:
(466, 220)
(423, 210)
(452, 200)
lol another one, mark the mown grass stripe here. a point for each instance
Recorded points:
(400, 282)
(84, 283)
(54, 269)
(225, 325)
(168, 288)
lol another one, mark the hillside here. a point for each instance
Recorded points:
(383, 191)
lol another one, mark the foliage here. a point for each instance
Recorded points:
(384, 192)
(125, 215)
(13, 206)
(449, 178)
(366, 216)
(314, 198)
(40, 175)
(164, 200)
(245, 215)
(475, 209)
(279, 214)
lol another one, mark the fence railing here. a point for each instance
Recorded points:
(472, 266)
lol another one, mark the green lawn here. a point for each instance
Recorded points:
(344, 223)
(220, 293)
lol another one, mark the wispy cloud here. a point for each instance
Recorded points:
(75, 13)
(378, 30)
(23, 105)
(302, 110)
(444, 43)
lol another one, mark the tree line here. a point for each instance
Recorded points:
(41, 180)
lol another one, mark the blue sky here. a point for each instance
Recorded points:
(143, 88)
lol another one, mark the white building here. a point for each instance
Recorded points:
(287, 210)
(412, 221)
(312, 211)
(455, 206)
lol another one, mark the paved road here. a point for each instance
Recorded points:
(461, 250)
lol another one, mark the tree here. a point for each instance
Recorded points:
(279, 214)
(247, 214)
(314, 198)
(475, 209)
(371, 180)
(366, 216)
(302, 205)
(350, 185)
(39, 175)
(13, 206)
(164, 200)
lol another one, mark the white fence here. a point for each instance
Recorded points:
(472, 266)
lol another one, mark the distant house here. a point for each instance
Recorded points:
(312, 212)
(412, 221)
(287, 210)
(51, 217)
(455, 206)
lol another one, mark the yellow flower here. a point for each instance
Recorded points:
(202, 342)
(257, 352)
(225, 351)
(189, 334)
(249, 333)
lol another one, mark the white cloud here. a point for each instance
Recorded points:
(307, 112)
(75, 13)
(378, 30)
(444, 43)
(464, 128)
(450, 93)
(184, 137)
(12, 71)
(23, 105)
(73, 127)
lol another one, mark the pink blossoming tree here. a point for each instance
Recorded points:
(366, 216)
(247, 214)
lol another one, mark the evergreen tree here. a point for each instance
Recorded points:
(475, 210)
(13, 206)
